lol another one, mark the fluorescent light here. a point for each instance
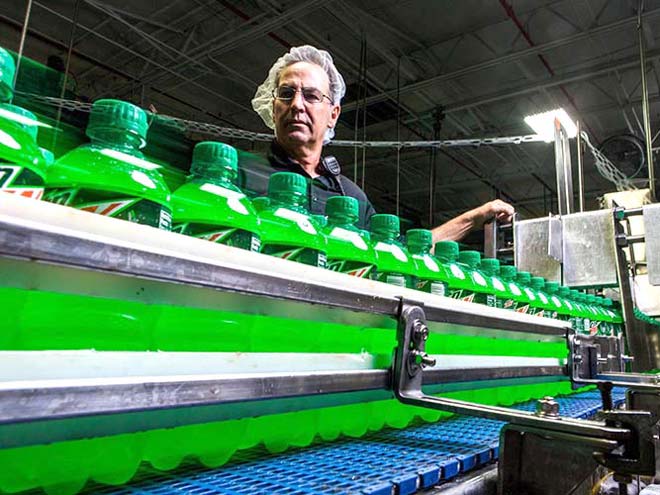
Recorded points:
(544, 124)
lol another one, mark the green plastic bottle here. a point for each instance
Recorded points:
(615, 314)
(430, 275)
(210, 206)
(482, 290)
(287, 229)
(524, 280)
(520, 301)
(559, 309)
(490, 267)
(577, 320)
(348, 250)
(394, 264)
(110, 176)
(22, 164)
(542, 307)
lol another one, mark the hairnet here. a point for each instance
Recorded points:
(263, 98)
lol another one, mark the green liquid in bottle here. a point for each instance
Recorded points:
(287, 229)
(210, 206)
(430, 274)
(394, 265)
(110, 176)
(349, 251)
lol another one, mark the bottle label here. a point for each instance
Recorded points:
(15, 179)
(136, 210)
(231, 237)
(593, 327)
(510, 304)
(492, 301)
(393, 249)
(468, 296)
(556, 301)
(428, 262)
(431, 286)
(351, 236)
(304, 255)
(543, 299)
(391, 278)
(353, 268)
(523, 309)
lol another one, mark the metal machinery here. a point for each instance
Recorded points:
(48, 396)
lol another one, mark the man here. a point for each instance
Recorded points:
(300, 100)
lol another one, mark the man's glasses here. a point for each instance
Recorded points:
(311, 95)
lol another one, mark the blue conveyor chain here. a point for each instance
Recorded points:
(381, 463)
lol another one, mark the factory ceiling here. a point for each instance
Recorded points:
(422, 69)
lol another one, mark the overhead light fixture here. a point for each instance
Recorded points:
(543, 124)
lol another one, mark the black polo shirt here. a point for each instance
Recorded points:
(254, 175)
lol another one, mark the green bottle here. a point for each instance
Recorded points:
(459, 284)
(430, 275)
(482, 290)
(210, 206)
(110, 176)
(520, 301)
(594, 328)
(287, 229)
(348, 250)
(559, 309)
(606, 321)
(394, 264)
(542, 307)
(490, 267)
(615, 314)
(524, 280)
(22, 163)
(260, 203)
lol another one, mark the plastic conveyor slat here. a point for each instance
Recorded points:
(380, 463)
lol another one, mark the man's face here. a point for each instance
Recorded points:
(298, 122)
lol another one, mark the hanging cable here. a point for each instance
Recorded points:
(364, 113)
(358, 100)
(398, 134)
(72, 36)
(21, 45)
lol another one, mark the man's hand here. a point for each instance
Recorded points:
(496, 209)
(457, 228)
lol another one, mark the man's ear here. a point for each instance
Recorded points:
(334, 116)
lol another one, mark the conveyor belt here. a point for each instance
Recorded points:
(408, 460)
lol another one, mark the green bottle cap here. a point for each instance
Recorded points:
(420, 239)
(343, 208)
(490, 266)
(447, 250)
(524, 278)
(608, 302)
(110, 118)
(7, 72)
(287, 183)
(591, 299)
(537, 283)
(575, 295)
(213, 159)
(508, 272)
(551, 287)
(260, 203)
(384, 224)
(31, 129)
(564, 291)
(470, 258)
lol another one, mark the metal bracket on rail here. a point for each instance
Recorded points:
(624, 441)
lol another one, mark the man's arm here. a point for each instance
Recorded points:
(457, 228)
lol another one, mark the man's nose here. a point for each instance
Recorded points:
(298, 102)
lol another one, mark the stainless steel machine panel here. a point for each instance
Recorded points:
(652, 237)
(537, 244)
(589, 252)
